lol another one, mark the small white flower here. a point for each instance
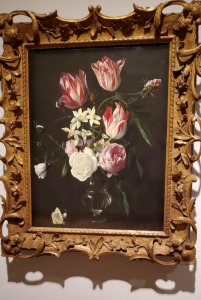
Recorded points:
(93, 118)
(85, 134)
(79, 118)
(41, 170)
(71, 132)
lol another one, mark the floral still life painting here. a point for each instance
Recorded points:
(98, 137)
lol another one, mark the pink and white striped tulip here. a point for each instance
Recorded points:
(108, 73)
(74, 90)
(115, 121)
(112, 159)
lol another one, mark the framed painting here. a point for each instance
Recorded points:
(99, 128)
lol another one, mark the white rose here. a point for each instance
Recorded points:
(83, 164)
(41, 170)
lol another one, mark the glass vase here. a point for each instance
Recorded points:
(96, 198)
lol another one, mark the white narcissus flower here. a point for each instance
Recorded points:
(41, 170)
(79, 118)
(83, 164)
(71, 132)
(93, 118)
(84, 134)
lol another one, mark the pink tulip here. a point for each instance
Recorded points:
(112, 159)
(115, 122)
(108, 73)
(70, 147)
(74, 90)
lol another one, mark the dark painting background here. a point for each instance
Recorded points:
(146, 197)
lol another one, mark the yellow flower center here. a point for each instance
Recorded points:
(80, 117)
(70, 134)
(94, 116)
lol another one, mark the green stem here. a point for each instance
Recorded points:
(139, 93)
(135, 94)
(124, 102)
(94, 130)
(98, 133)
(60, 119)
(110, 98)
(56, 160)
(36, 160)
(55, 142)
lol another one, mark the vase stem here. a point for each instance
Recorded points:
(96, 198)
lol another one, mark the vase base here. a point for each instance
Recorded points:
(97, 219)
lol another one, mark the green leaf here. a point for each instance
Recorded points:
(132, 100)
(65, 169)
(105, 136)
(103, 103)
(120, 96)
(133, 149)
(123, 199)
(126, 205)
(129, 158)
(140, 127)
(140, 169)
(63, 145)
(125, 143)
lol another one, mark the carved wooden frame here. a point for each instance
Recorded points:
(148, 26)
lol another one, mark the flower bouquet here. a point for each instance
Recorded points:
(98, 146)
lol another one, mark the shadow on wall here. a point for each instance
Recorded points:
(139, 274)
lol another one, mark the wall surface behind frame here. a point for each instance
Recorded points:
(73, 276)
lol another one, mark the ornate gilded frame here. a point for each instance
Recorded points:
(149, 25)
